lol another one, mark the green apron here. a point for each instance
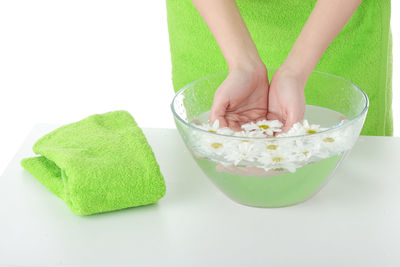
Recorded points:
(361, 53)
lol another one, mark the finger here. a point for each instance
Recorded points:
(287, 125)
(273, 116)
(218, 111)
(222, 121)
(291, 119)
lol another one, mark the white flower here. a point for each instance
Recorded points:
(250, 126)
(265, 126)
(303, 129)
(215, 128)
(277, 160)
(307, 150)
(336, 141)
(212, 128)
(270, 153)
(296, 129)
(275, 145)
(225, 131)
(249, 134)
(312, 129)
(208, 145)
(241, 151)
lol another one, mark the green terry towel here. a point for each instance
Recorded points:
(361, 52)
(99, 164)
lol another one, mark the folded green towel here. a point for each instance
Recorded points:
(360, 53)
(101, 163)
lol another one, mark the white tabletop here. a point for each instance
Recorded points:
(353, 221)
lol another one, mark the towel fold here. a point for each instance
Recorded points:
(361, 53)
(99, 164)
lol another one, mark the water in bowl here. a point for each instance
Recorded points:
(276, 188)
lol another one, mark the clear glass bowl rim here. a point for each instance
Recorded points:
(343, 125)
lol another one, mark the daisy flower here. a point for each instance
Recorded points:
(277, 160)
(303, 129)
(250, 126)
(306, 150)
(336, 142)
(296, 129)
(312, 129)
(215, 128)
(245, 151)
(265, 126)
(208, 145)
(280, 144)
(270, 153)
(225, 131)
(249, 134)
(212, 128)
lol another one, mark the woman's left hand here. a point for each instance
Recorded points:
(286, 101)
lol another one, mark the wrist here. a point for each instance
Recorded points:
(254, 74)
(298, 68)
(302, 60)
(298, 74)
(252, 66)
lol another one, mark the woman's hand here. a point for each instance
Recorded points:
(286, 100)
(241, 98)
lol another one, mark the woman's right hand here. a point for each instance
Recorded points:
(241, 98)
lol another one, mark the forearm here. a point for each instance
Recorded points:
(322, 26)
(228, 28)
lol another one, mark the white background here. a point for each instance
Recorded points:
(61, 61)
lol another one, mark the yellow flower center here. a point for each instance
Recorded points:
(279, 169)
(277, 159)
(329, 140)
(305, 153)
(263, 126)
(216, 145)
(311, 131)
(212, 131)
(246, 141)
(272, 147)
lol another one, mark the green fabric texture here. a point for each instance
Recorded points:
(361, 53)
(101, 163)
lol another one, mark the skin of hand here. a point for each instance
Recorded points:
(286, 101)
(285, 95)
(242, 97)
(322, 26)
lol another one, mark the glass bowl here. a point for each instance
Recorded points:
(273, 171)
